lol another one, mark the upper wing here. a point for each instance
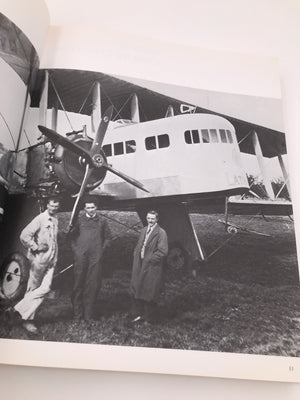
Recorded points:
(74, 88)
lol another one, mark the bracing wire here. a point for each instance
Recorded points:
(11, 135)
(27, 137)
(60, 101)
(87, 96)
(230, 238)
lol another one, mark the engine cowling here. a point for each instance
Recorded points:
(69, 168)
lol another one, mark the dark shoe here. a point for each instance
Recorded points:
(77, 317)
(30, 328)
(12, 316)
(151, 312)
(153, 320)
(136, 308)
(90, 318)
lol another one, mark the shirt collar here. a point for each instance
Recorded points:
(151, 227)
(91, 216)
(49, 217)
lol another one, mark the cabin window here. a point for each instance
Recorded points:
(187, 137)
(192, 136)
(223, 136)
(163, 141)
(195, 136)
(150, 143)
(205, 136)
(214, 135)
(130, 146)
(118, 148)
(229, 134)
(107, 150)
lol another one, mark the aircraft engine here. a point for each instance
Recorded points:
(69, 167)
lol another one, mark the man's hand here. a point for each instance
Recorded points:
(41, 248)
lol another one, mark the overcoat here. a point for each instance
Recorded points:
(147, 273)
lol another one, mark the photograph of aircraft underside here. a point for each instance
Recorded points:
(137, 149)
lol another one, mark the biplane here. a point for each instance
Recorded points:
(142, 151)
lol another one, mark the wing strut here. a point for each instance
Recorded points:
(259, 156)
(285, 176)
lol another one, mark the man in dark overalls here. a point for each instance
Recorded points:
(89, 238)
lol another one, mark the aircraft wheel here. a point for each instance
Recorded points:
(232, 230)
(14, 276)
(177, 257)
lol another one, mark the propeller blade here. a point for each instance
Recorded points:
(98, 140)
(84, 183)
(64, 142)
(126, 178)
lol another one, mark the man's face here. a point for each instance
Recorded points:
(151, 219)
(90, 209)
(52, 207)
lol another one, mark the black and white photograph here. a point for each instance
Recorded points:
(142, 214)
(192, 246)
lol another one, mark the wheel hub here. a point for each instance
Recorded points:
(11, 280)
(98, 160)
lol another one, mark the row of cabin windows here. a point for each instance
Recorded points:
(119, 148)
(154, 142)
(208, 136)
(161, 141)
(151, 143)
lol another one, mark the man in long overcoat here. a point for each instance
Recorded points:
(147, 271)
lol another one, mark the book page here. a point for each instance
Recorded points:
(31, 17)
(225, 316)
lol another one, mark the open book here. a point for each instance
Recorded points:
(223, 280)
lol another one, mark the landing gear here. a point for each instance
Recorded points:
(14, 277)
(232, 229)
(177, 258)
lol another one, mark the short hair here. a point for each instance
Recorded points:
(90, 199)
(154, 212)
(55, 199)
(89, 202)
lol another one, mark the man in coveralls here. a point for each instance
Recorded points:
(89, 237)
(40, 239)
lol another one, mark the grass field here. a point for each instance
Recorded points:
(244, 299)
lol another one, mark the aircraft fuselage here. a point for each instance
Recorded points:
(193, 155)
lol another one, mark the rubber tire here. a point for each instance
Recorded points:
(177, 257)
(232, 230)
(20, 266)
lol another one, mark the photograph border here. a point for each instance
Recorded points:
(149, 360)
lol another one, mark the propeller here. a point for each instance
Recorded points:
(98, 140)
(126, 178)
(93, 158)
(75, 210)
(64, 142)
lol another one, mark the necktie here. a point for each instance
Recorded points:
(145, 241)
